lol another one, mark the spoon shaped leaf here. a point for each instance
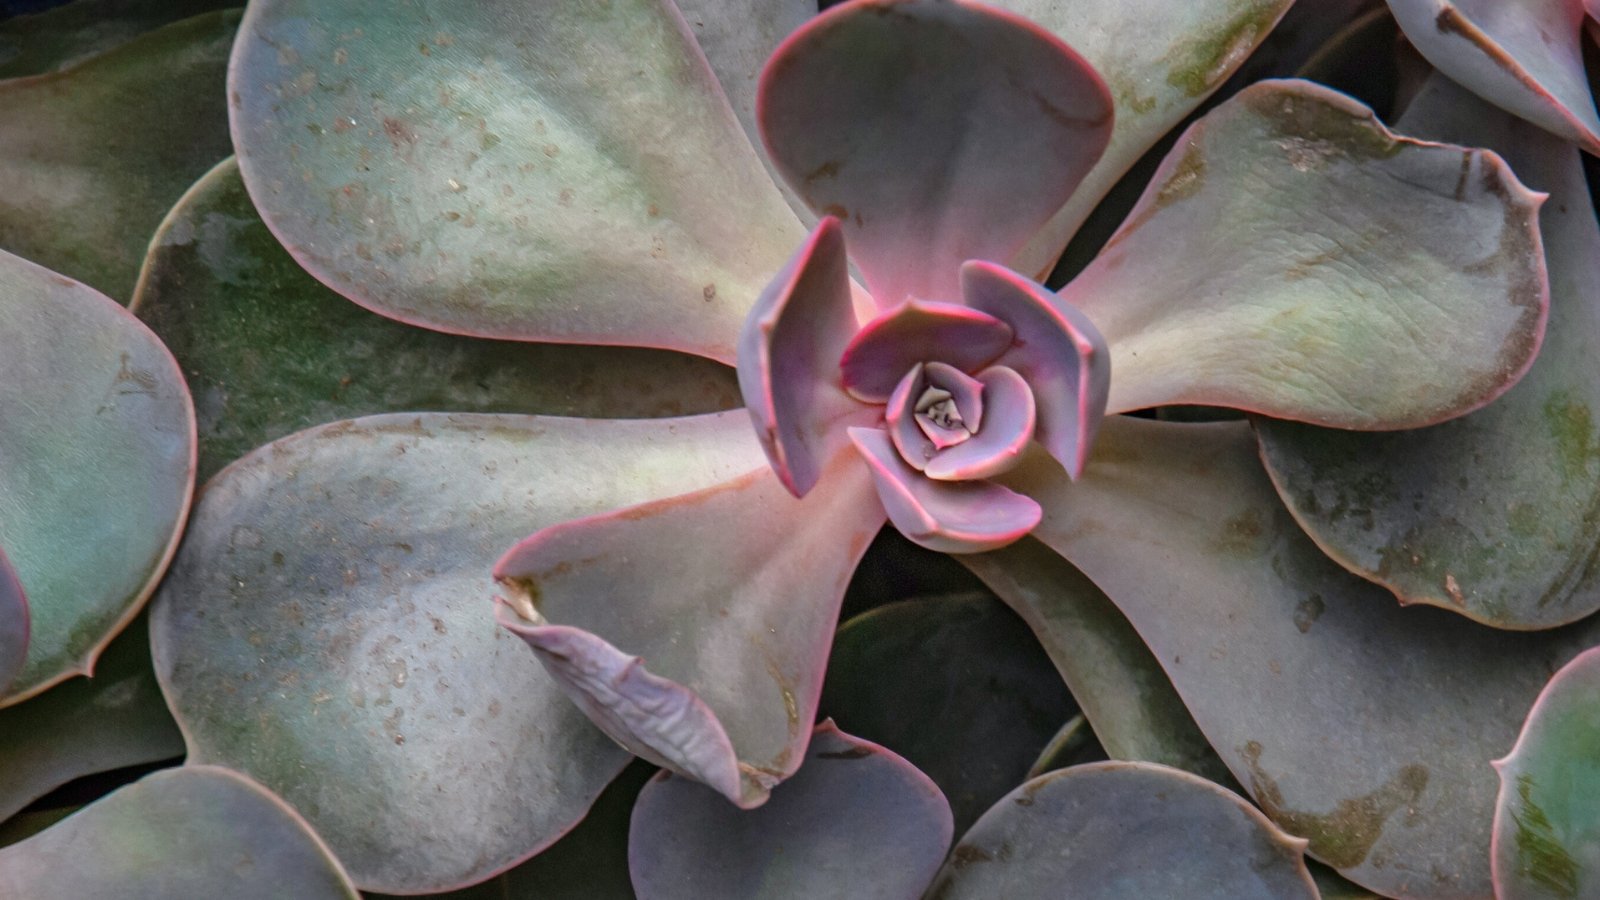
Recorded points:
(327, 628)
(565, 171)
(97, 458)
(181, 834)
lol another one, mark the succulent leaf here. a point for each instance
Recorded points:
(1491, 515)
(115, 719)
(93, 156)
(195, 831)
(956, 685)
(1296, 258)
(1547, 820)
(326, 628)
(13, 626)
(562, 171)
(1524, 56)
(268, 350)
(915, 331)
(98, 451)
(856, 820)
(937, 132)
(1361, 726)
(1119, 830)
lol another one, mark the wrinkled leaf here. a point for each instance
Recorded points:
(1495, 515)
(1547, 821)
(327, 628)
(1524, 56)
(956, 685)
(1362, 726)
(268, 350)
(115, 719)
(1160, 60)
(200, 831)
(1119, 831)
(91, 158)
(62, 37)
(563, 171)
(1289, 233)
(856, 821)
(1129, 700)
(97, 458)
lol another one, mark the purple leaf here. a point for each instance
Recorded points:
(789, 360)
(937, 132)
(1057, 351)
(998, 444)
(856, 821)
(919, 331)
(948, 516)
(732, 647)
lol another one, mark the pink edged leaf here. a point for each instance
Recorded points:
(856, 820)
(731, 645)
(1289, 233)
(1491, 515)
(998, 444)
(98, 451)
(1057, 350)
(1524, 56)
(936, 131)
(919, 331)
(1161, 60)
(909, 435)
(1118, 830)
(789, 354)
(13, 625)
(190, 832)
(443, 166)
(327, 628)
(1286, 661)
(950, 517)
(1547, 819)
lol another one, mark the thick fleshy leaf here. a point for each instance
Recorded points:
(710, 665)
(919, 331)
(1525, 56)
(1119, 684)
(1547, 820)
(94, 156)
(855, 821)
(197, 831)
(1362, 726)
(13, 626)
(937, 132)
(1057, 350)
(1491, 515)
(789, 353)
(327, 628)
(115, 719)
(62, 37)
(1289, 233)
(1120, 830)
(269, 351)
(947, 516)
(998, 445)
(563, 171)
(97, 458)
(953, 683)
(1160, 60)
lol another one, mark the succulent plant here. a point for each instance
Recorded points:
(1292, 366)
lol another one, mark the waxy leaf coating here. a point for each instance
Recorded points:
(1124, 831)
(856, 821)
(327, 628)
(97, 457)
(192, 832)
(563, 171)
(1493, 515)
(1547, 821)
(1296, 258)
